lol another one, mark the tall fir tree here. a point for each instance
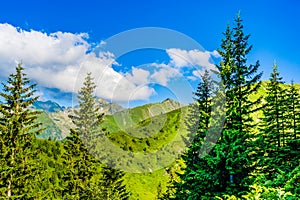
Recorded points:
(18, 128)
(80, 146)
(81, 164)
(291, 160)
(273, 129)
(197, 180)
(293, 110)
(88, 117)
(234, 148)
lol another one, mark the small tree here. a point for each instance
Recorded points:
(18, 128)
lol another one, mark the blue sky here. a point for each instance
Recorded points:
(274, 27)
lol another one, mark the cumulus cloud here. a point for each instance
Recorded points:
(138, 76)
(38, 48)
(195, 60)
(61, 60)
(183, 58)
(164, 73)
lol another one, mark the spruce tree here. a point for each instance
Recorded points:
(293, 110)
(88, 117)
(112, 184)
(291, 148)
(273, 130)
(81, 164)
(235, 146)
(197, 180)
(80, 147)
(18, 128)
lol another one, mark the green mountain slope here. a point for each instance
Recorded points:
(51, 129)
(116, 117)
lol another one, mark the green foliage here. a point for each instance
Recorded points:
(112, 186)
(198, 181)
(80, 165)
(87, 118)
(259, 192)
(79, 153)
(80, 162)
(293, 125)
(18, 128)
(50, 183)
(233, 162)
(279, 141)
(273, 127)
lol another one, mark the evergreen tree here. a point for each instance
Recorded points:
(273, 130)
(293, 110)
(80, 147)
(234, 148)
(112, 186)
(80, 167)
(88, 117)
(80, 162)
(293, 143)
(197, 180)
(18, 128)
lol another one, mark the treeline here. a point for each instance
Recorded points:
(34, 168)
(257, 154)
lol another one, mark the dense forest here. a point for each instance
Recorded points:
(255, 154)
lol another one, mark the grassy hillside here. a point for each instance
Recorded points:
(161, 136)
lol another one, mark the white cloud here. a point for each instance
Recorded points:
(39, 48)
(195, 60)
(164, 74)
(138, 76)
(198, 73)
(60, 60)
(183, 58)
(216, 54)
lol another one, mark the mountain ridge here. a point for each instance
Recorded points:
(56, 117)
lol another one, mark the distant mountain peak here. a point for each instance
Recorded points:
(168, 100)
(108, 107)
(48, 106)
